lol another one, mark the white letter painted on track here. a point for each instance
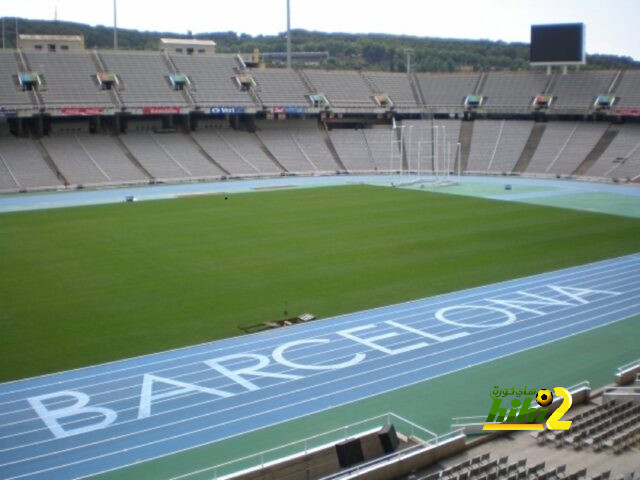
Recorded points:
(370, 342)
(147, 397)
(435, 338)
(254, 370)
(51, 416)
(537, 300)
(510, 317)
(578, 293)
(278, 356)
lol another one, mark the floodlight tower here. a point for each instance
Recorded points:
(288, 34)
(115, 26)
(409, 52)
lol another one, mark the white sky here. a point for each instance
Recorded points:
(612, 25)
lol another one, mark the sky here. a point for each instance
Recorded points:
(612, 26)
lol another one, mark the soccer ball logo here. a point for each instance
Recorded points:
(544, 397)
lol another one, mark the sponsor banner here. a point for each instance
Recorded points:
(629, 112)
(225, 110)
(278, 109)
(295, 110)
(82, 111)
(161, 110)
(8, 112)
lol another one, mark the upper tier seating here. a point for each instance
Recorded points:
(396, 85)
(446, 90)
(343, 89)
(580, 89)
(513, 89)
(629, 89)
(11, 96)
(213, 80)
(280, 87)
(69, 79)
(143, 77)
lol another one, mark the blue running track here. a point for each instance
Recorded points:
(81, 422)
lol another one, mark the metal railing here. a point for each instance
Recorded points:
(315, 442)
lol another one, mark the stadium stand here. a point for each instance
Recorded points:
(497, 144)
(352, 148)
(68, 154)
(446, 90)
(312, 142)
(143, 78)
(103, 150)
(69, 78)
(384, 147)
(579, 89)
(622, 158)
(78, 167)
(513, 89)
(24, 164)
(184, 152)
(628, 89)
(277, 87)
(564, 145)
(419, 142)
(157, 161)
(284, 146)
(298, 146)
(11, 96)
(396, 85)
(224, 154)
(343, 89)
(213, 79)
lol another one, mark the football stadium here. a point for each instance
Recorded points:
(218, 267)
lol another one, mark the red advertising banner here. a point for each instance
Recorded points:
(82, 111)
(628, 112)
(160, 110)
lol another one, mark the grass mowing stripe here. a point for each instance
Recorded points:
(86, 285)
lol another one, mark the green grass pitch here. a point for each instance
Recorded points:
(80, 286)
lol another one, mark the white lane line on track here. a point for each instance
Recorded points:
(350, 388)
(424, 304)
(475, 291)
(286, 370)
(385, 367)
(181, 397)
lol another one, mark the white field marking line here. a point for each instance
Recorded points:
(330, 407)
(203, 382)
(568, 271)
(433, 326)
(526, 282)
(325, 395)
(35, 419)
(32, 419)
(341, 378)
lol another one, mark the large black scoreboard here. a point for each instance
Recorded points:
(561, 44)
